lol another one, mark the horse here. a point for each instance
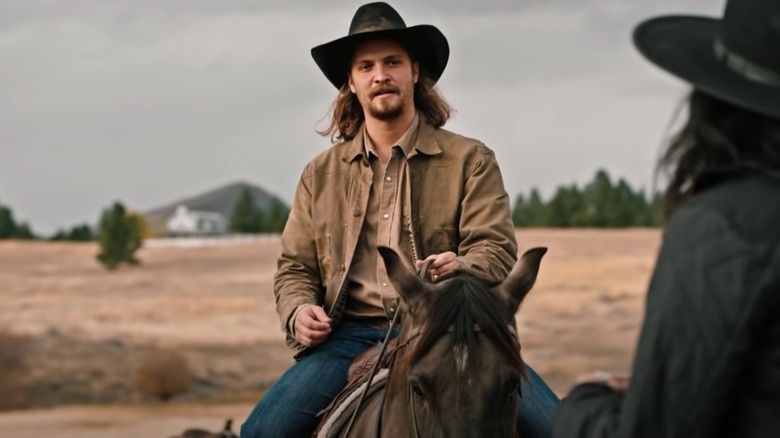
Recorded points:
(455, 367)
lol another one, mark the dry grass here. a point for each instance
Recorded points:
(216, 305)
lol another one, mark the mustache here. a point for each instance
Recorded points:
(385, 89)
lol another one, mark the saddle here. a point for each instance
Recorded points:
(364, 362)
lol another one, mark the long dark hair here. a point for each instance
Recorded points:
(717, 137)
(347, 114)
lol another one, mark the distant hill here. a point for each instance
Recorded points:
(220, 200)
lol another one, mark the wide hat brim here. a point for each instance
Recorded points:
(685, 47)
(430, 47)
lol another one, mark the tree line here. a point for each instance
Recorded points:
(600, 203)
(10, 228)
(120, 232)
(249, 218)
(246, 217)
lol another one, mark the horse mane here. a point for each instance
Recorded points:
(466, 302)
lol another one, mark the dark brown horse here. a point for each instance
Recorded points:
(455, 369)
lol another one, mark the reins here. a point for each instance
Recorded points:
(423, 273)
(414, 414)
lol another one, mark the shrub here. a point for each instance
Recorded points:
(120, 236)
(163, 374)
(13, 351)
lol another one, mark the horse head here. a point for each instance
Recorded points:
(456, 370)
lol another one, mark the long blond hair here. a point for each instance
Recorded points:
(346, 114)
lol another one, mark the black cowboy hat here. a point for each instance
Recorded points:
(380, 20)
(736, 59)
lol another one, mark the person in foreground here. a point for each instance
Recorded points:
(395, 178)
(708, 359)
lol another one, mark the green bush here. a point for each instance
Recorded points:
(120, 236)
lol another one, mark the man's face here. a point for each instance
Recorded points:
(382, 76)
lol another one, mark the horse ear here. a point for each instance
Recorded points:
(406, 282)
(522, 278)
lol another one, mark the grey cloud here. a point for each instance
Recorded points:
(20, 11)
(146, 101)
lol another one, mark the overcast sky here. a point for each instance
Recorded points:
(148, 101)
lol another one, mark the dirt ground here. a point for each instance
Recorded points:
(88, 328)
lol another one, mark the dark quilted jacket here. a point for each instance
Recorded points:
(708, 359)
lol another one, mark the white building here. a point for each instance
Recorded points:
(184, 221)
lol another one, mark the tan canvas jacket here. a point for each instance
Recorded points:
(457, 202)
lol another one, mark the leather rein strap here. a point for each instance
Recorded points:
(422, 273)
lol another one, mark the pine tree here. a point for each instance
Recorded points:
(79, 233)
(520, 216)
(627, 208)
(7, 223)
(275, 217)
(565, 208)
(602, 198)
(657, 210)
(23, 232)
(531, 212)
(246, 218)
(536, 209)
(10, 229)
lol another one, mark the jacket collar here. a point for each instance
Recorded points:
(425, 143)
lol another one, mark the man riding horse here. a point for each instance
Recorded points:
(394, 178)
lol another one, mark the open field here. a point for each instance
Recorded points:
(88, 328)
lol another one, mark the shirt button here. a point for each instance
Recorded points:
(391, 310)
(388, 178)
(384, 284)
(356, 212)
(386, 215)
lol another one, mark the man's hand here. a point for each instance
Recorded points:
(443, 263)
(312, 325)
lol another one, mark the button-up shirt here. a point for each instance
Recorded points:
(371, 294)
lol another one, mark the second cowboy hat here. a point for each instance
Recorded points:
(736, 59)
(380, 20)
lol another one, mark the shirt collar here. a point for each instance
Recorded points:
(405, 142)
(419, 138)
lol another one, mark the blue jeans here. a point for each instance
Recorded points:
(537, 404)
(289, 408)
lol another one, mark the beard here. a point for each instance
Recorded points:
(388, 108)
(386, 112)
